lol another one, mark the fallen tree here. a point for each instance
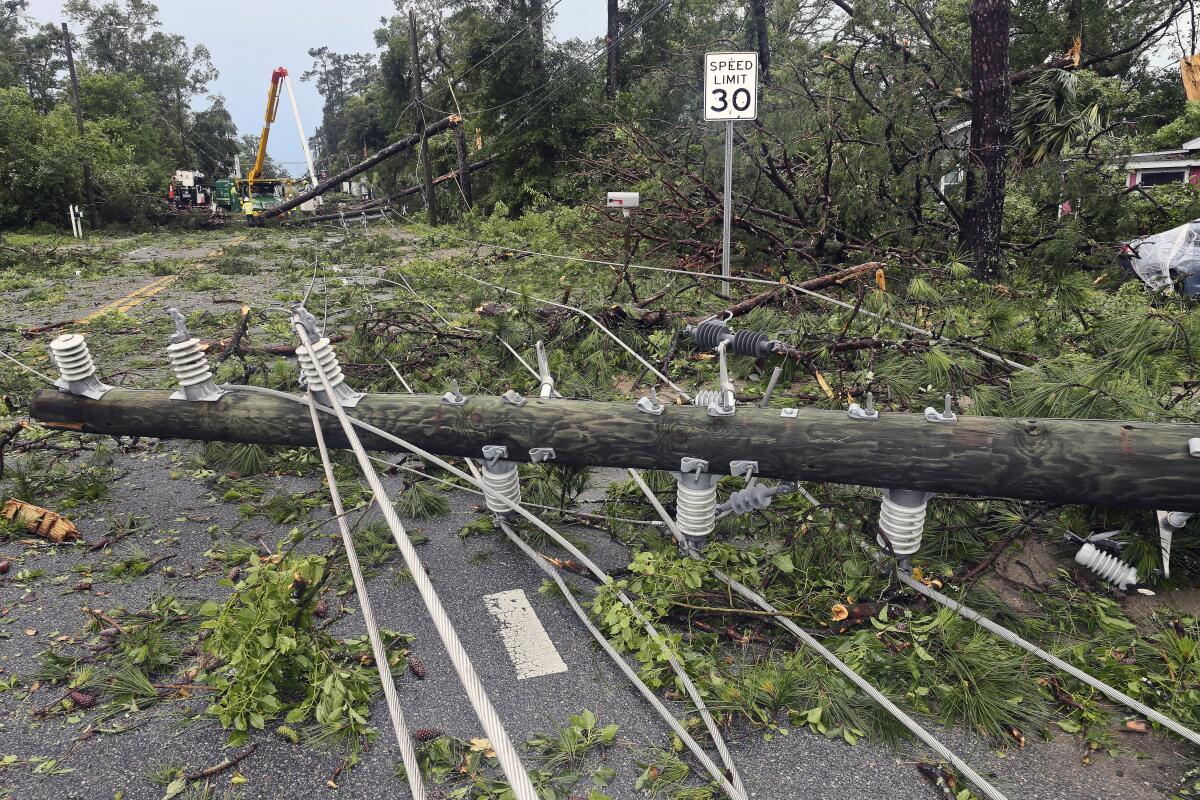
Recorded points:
(1094, 462)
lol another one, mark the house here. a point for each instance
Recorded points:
(1165, 166)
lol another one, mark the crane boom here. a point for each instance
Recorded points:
(277, 78)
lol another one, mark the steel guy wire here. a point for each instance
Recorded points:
(1012, 638)
(804, 636)
(412, 768)
(682, 393)
(663, 712)
(28, 368)
(510, 760)
(570, 512)
(563, 542)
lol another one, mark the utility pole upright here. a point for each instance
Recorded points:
(430, 200)
(87, 167)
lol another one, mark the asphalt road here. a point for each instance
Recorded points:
(799, 764)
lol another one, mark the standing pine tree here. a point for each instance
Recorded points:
(991, 128)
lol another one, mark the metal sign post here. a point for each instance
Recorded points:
(730, 94)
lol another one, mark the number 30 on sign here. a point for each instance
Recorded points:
(730, 86)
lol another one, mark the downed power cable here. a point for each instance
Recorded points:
(412, 769)
(732, 789)
(506, 752)
(1012, 638)
(809, 640)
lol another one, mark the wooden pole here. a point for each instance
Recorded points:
(427, 169)
(407, 143)
(614, 33)
(87, 166)
(1092, 462)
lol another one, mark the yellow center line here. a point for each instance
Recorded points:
(141, 295)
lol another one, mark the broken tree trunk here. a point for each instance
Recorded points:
(1093, 462)
(407, 143)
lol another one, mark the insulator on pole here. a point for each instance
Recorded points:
(330, 371)
(190, 364)
(77, 371)
(752, 498)
(501, 479)
(902, 521)
(695, 500)
(1107, 566)
(710, 333)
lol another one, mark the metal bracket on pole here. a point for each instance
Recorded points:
(1168, 523)
(858, 412)
(725, 405)
(454, 397)
(744, 468)
(546, 389)
(512, 398)
(945, 415)
(493, 453)
(541, 454)
(649, 404)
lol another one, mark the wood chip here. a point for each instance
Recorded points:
(40, 521)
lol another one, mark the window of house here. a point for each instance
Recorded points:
(1158, 177)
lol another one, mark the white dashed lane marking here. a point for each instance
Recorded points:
(528, 645)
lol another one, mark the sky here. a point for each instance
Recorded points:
(248, 40)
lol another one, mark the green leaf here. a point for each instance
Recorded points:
(175, 788)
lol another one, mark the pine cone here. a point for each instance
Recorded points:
(426, 734)
(417, 667)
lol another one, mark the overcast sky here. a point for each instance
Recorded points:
(248, 40)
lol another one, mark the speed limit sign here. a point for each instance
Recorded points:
(730, 86)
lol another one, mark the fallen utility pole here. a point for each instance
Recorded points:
(1093, 462)
(407, 143)
(449, 176)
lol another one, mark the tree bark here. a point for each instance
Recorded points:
(614, 32)
(464, 166)
(1105, 463)
(759, 8)
(991, 127)
(537, 27)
